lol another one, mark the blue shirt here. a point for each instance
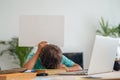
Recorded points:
(67, 62)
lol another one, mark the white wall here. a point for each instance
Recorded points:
(81, 19)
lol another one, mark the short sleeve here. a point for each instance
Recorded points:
(67, 62)
(38, 62)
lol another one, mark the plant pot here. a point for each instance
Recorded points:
(116, 66)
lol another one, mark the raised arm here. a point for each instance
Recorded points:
(30, 64)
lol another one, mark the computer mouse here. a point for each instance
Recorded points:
(42, 74)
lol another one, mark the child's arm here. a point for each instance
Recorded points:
(75, 67)
(69, 65)
(30, 64)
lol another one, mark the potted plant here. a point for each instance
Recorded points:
(17, 52)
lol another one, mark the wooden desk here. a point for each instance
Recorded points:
(32, 76)
(114, 74)
(106, 76)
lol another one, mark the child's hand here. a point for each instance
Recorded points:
(63, 67)
(42, 44)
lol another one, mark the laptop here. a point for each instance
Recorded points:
(102, 57)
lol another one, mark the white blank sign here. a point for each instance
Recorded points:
(37, 28)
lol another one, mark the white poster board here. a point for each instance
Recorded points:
(36, 28)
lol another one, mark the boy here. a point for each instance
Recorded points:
(49, 56)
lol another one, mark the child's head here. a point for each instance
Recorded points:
(51, 56)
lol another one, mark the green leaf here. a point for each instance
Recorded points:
(106, 29)
(14, 50)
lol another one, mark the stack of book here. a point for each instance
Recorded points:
(50, 71)
(18, 76)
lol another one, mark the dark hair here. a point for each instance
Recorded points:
(51, 56)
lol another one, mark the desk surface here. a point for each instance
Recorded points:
(109, 76)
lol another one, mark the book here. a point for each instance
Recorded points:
(14, 70)
(50, 71)
(18, 76)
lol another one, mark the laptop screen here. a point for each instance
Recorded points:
(103, 54)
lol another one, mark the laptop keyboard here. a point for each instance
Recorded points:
(83, 72)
